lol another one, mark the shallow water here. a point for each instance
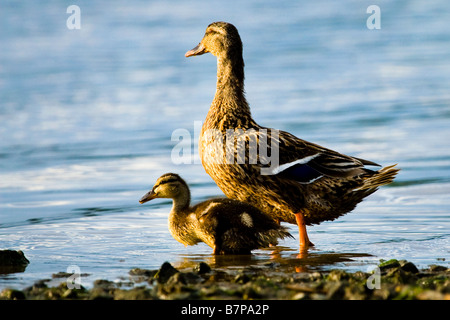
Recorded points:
(87, 117)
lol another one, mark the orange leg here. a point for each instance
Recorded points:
(303, 235)
(272, 244)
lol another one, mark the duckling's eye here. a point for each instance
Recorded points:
(214, 33)
(210, 34)
(170, 184)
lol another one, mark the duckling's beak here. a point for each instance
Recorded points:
(148, 196)
(198, 50)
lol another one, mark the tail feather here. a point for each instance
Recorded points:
(270, 237)
(380, 178)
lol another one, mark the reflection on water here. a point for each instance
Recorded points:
(282, 258)
(87, 117)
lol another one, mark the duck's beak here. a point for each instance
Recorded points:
(198, 50)
(148, 196)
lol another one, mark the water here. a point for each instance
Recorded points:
(87, 117)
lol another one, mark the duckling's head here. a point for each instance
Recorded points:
(221, 39)
(169, 185)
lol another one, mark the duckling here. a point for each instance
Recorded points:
(308, 185)
(228, 226)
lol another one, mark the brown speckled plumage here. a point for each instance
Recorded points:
(332, 183)
(228, 226)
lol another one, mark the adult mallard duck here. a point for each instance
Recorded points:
(228, 226)
(308, 184)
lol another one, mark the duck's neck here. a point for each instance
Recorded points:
(230, 72)
(182, 220)
(230, 98)
(181, 203)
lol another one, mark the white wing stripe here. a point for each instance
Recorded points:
(312, 180)
(285, 166)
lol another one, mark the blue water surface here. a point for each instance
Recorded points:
(87, 117)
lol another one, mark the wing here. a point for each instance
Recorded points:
(307, 162)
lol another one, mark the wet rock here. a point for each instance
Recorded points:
(436, 268)
(11, 294)
(304, 287)
(70, 294)
(104, 284)
(335, 290)
(40, 291)
(184, 278)
(67, 274)
(253, 291)
(177, 279)
(139, 293)
(432, 295)
(337, 275)
(102, 290)
(37, 288)
(165, 272)
(398, 276)
(12, 261)
(408, 266)
(272, 265)
(218, 276)
(202, 268)
(315, 276)
(178, 286)
(138, 275)
(355, 292)
(242, 278)
(383, 293)
(300, 296)
(192, 278)
(100, 294)
(143, 272)
(399, 280)
(390, 264)
(12, 258)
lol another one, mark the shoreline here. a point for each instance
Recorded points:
(391, 280)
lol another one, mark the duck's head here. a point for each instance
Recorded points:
(221, 39)
(169, 185)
